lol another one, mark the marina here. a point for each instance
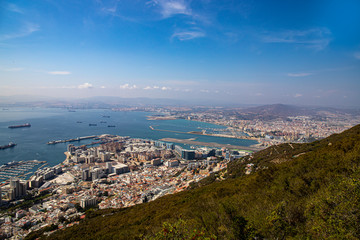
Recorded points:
(18, 169)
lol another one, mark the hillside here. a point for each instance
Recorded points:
(273, 111)
(296, 191)
(280, 110)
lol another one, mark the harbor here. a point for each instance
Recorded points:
(18, 169)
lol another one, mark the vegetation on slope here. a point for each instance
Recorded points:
(313, 192)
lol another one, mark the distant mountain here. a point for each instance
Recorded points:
(295, 191)
(119, 101)
(284, 111)
(265, 111)
(281, 110)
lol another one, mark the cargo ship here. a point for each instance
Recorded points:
(92, 124)
(111, 125)
(20, 126)
(10, 145)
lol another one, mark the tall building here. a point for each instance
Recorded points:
(71, 149)
(96, 173)
(88, 202)
(188, 155)
(85, 175)
(17, 189)
(109, 167)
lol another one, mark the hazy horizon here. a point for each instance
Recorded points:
(31, 101)
(240, 52)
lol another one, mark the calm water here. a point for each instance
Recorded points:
(56, 124)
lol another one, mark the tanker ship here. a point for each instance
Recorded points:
(20, 126)
(10, 145)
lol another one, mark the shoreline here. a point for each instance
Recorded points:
(160, 118)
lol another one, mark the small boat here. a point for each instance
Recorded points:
(111, 125)
(92, 124)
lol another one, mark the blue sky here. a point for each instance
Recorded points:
(246, 52)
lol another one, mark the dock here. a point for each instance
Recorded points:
(71, 140)
(17, 169)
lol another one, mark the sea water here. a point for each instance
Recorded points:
(48, 124)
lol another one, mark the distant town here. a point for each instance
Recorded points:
(269, 124)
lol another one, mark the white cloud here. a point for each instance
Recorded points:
(297, 95)
(108, 8)
(28, 29)
(165, 88)
(204, 91)
(172, 7)
(128, 86)
(153, 88)
(357, 55)
(315, 38)
(188, 35)
(13, 8)
(304, 74)
(102, 87)
(59, 73)
(85, 86)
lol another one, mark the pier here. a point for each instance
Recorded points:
(71, 140)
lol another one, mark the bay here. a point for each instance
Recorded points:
(58, 124)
